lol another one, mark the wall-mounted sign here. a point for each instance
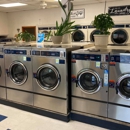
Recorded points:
(78, 14)
(119, 10)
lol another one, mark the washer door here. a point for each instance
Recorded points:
(123, 86)
(18, 73)
(119, 36)
(78, 36)
(89, 81)
(92, 35)
(48, 77)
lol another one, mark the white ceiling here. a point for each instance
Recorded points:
(35, 4)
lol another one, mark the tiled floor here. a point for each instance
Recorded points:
(22, 120)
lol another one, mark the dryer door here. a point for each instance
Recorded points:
(48, 77)
(78, 36)
(123, 86)
(119, 36)
(18, 73)
(89, 81)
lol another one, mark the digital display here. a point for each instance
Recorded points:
(35, 52)
(86, 57)
(47, 53)
(21, 52)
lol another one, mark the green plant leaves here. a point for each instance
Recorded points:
(26, 36)
(66, 26)
(103, 22)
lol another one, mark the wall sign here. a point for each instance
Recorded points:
(119, 10)
(77, 14)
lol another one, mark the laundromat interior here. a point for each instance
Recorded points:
(65, 64)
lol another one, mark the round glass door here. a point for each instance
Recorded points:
(124, 86)
(48, 77)
(18, 73)
(92, 35)
(119, 36)
(89, 81)
(78, 36)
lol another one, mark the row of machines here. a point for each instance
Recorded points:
(37, 77)
(85, 33)
(63, 79)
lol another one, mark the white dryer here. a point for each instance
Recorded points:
(44, 30)
(127, 28)
(91, 32)
(80, 34)
(118, 35)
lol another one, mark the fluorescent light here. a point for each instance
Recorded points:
(12, 4)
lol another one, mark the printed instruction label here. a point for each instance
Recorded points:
(97, 64)
(105, 78)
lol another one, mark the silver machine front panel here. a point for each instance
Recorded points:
(54, 65)
(2, 93)
(88, 106)
(20, 97)
(18, 65)
(119, 85)
(120, 113)
(90, 81)
(51, 104)
(2, 68)
(94, 73)
(50, 78)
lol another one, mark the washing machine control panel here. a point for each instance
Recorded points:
(120, 58)
(20, 52)
(49, 53)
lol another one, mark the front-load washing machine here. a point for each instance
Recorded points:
(90, 82)
(18, 66)
(119, 86)
(118, 35)
(2, 73)
(44, 30)
(91, 32)
(52, 78)
(80, 35)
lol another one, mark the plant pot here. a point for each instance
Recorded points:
(56, 39)
(66, 39)
(101, 41)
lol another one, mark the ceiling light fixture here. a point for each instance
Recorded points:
(12, 5)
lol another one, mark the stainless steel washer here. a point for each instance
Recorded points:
(2, 73)
(51, 82)
(90, 81)
(18, 67)
(119, 85)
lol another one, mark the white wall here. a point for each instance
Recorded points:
(49, 16)
(32, 18)
(95, 9)
(3, 24)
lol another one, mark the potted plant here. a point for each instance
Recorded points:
(26, 36)
(102, 22)
(64, 28)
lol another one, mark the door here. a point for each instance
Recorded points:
(119, 36)
(48, 77)
(89, 81)
(18, 73)
(123, 86)
(78, 36)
